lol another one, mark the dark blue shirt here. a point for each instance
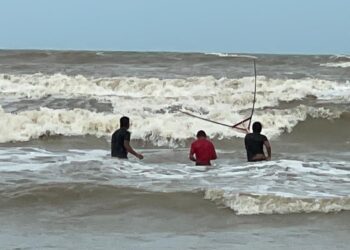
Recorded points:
(117, 147)
(254, 143)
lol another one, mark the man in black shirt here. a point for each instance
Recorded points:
(121, 141)
(254, 143)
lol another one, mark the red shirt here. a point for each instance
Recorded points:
(204, 151)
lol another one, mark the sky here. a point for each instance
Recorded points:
(236, 26)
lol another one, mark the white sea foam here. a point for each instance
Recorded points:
(224, 90)
(27, 125)
(236, 93)
(282, 187)
(337, 64)
(218, 54)
(346, 57)
(308, 187)
(231, 55)
(247, 204)
(33, 124)
(153, 105)
(16, 159)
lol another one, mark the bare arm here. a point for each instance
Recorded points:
(214, 156)
(131, 150)
(268, 149)
(191, 156)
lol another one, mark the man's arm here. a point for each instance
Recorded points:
(213, 156)
(268, 149)
(131, 150)
(191, 156)
(112, 144)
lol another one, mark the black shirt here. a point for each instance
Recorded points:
(118, 138)
(254, 143)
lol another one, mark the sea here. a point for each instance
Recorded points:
(60, 188)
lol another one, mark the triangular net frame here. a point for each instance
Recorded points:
(244, 125)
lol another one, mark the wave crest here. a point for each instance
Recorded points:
(337, 64)
(153, 104)
(248, 204)
(47, 122)
(161, 129)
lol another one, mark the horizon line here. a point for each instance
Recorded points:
(173, 51)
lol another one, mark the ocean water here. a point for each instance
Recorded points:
(60, 189)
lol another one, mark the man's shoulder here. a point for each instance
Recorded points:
(255, 137)
(264, 137)
(205, 142)
(195, 142)
(210, 142)
(121, 131)
(249, 135)
(115, 132)
(125, 131)
(261, 137)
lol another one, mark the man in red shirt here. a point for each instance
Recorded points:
(202, 150)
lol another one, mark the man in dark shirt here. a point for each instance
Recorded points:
(202, 150)
(121, 141)
(254, 143)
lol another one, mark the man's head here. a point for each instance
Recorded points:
(257, 127)
(201, 134)
(124, 122)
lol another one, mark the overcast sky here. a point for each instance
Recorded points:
(256, 26)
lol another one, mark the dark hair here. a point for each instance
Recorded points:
(257, 127)
(124, 122)
(201, 133)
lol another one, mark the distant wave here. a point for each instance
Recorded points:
(340, 57)
(230, 55)
(223, 90)
(338, 61)
(337, 64)
(221, 54)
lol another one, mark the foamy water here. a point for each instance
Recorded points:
(280, 186)
(153, 99)
(339, 64)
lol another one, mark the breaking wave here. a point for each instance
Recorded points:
(230, 55)
(341, 61)
(239, 203)
(207, 90)
(34, 175)
(160, 129)
(248, 204)
(153, 105)
(337, 64)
